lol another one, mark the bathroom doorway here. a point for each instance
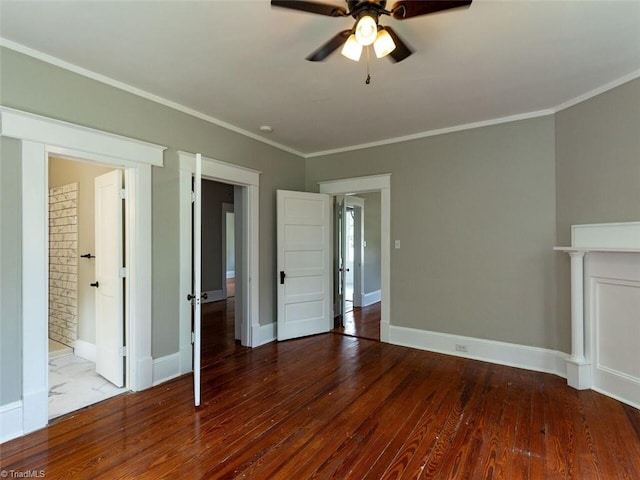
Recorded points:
(81, 343)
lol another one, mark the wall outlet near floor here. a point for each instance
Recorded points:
(461, 347)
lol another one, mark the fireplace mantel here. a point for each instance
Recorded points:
(612, 250)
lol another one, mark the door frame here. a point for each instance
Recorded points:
(41, 137)
(247, 294)
(374, 183)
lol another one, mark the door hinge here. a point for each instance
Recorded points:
(122, 194)
(123, 351)
(124, 272)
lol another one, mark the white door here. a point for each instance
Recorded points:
(195, 297)
(108, 281)
(304, 264)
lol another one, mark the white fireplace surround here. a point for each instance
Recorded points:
(605, 309)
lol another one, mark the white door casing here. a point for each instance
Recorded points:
(304, 264)
(246, 206)
(40, 137)
(375, 183)
(108, 282)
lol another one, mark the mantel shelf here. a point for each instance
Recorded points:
(597, 249)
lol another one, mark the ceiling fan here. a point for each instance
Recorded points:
(367, 31)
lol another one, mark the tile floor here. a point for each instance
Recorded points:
(74, 384)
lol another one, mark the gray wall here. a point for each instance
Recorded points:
(34, 86)
(597, 171)
(475, 213)
(10, 272)
(372, 217)
(214, 194)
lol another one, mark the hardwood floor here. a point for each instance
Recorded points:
(334, 406)
(362, 322)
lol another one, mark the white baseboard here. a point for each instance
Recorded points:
(213, 296)
(231, 274)
(166, 368)
(10, 421)
(502, 353)
(144, 374)
(186, 359)
(263, 334)
(85, 350)
(371, 298)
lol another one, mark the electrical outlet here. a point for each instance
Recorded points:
(461, 347)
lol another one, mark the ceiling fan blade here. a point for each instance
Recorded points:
(401, 51)
(413, 8)
(311, 7)
(328, 48)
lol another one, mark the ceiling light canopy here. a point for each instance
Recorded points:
(367, 32)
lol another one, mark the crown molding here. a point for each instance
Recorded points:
(139, 92)
(433, 133)
(430, 133)
(597, 91)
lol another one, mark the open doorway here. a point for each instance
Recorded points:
(221, 330)
(245, 184)
(380, 185)
(35, 135)
(358, 262)
(82, 367)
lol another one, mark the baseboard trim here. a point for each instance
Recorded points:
(502, 353)
(371, 298)
(166, 368)
(10, 421)
(616, 397)
(85, 350)
(263, 334)
(213, 296)
(185, 359)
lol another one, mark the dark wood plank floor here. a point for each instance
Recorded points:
(334, 406)
(362, 322)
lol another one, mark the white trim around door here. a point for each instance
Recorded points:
(41, 137)
(382, 184)
(247, 293)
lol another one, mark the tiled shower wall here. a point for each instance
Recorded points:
(63, 264)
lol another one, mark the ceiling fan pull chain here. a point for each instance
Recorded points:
(368, 80)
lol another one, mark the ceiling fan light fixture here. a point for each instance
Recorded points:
(352, 49)
(384, 44)
(366, 30)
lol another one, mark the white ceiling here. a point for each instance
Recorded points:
(242, 63)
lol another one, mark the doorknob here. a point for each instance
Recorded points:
(282, 275)
(97, 284)
(204, 295)
(190, 297)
